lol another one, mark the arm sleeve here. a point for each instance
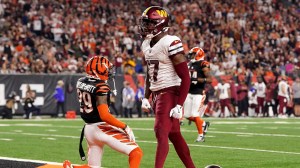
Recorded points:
(183, 73)
(108, 118)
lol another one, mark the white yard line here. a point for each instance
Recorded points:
(153, 142)
(28, 160)
(33, 161)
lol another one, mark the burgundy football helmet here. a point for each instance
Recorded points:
(154, 20)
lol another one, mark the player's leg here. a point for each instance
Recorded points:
(118, 140)
(162, 126)
(135, 157)
(180, 145)
(200, 123)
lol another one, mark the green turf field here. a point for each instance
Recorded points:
(240, 143)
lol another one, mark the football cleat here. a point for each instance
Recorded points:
(67, 164)
(205, 127)
(200, 138)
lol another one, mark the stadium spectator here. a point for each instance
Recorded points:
(128, 97)
(139, 95)
(59, 96)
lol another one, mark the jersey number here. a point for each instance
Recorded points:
(85, 101)
(193, 74)
(156, 63)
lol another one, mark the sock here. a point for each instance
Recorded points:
(135, 157)
(199, 122)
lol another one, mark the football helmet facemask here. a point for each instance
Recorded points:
(99, 67)
(196, 54)
(153, 21)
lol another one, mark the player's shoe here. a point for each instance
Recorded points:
(200, 138)
(67, 164)
(205, 127)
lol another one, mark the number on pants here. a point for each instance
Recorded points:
(156, 63)
(85, 101)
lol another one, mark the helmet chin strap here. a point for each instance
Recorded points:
(115, 90)
(150, 36)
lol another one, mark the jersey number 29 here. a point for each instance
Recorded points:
(85, 101)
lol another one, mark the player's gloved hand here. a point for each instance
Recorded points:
(146, 105)
(129, 133)
(114, 92)
(176, 112)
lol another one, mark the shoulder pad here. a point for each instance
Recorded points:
(204, 64)
(102, 89)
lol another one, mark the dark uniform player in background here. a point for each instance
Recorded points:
(194, 106)
(101, 127)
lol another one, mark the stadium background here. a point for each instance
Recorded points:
(240, 37)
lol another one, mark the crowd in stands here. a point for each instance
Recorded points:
(241, 38)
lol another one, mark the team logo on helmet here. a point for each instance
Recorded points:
(196, 54)
(98, 67)
(153, 21)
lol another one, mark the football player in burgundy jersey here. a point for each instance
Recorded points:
(101, 127)
(194, 106)
(168, 80)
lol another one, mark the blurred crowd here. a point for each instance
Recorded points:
(240, 37)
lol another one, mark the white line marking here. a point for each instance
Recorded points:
(52, 139)
(51, 130)
(34, 161)
(27, 160)
(244, 135)
(193, 145)
(5, 139)
(233, 133)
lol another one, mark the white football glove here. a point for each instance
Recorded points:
(129, 133)
(176, 112)
(146, 105)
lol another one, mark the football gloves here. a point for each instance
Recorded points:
(129, 133)
(146, 105)
(176, 112)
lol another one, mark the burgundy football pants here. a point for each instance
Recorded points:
(167, 127)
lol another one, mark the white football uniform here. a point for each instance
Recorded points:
(161, 71)
(260, 89)
(100, 134)
(283, 89)
(194, 105)
(223, 90)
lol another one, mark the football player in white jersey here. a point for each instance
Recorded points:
(167, 80)
(260, 88)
